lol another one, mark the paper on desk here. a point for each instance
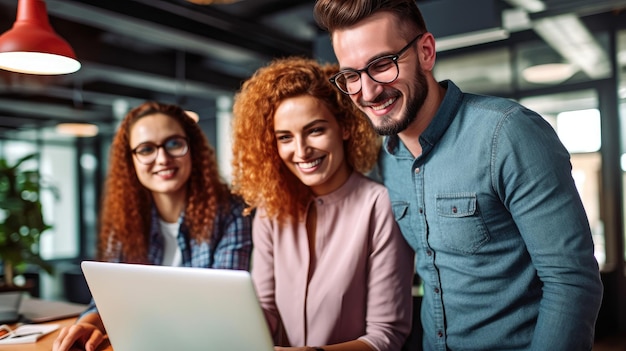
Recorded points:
(29, 333)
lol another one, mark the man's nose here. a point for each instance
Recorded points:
(369, 87)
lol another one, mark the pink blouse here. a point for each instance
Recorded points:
(358, 285)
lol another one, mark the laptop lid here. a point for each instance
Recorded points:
(146, 307)
(10, 306)
(34, 310)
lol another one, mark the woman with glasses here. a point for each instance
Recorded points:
(330, 265)
(164, 204)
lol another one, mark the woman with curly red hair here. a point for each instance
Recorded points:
(330, 266)
(164, 204)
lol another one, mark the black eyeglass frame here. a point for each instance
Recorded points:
(161, 146)
(394, 58)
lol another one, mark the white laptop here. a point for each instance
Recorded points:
(174, 308)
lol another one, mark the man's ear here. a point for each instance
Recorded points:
(427, 51)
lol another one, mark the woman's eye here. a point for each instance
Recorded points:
(174, 144)
(318, 130)
(283, 138)
(145, 150)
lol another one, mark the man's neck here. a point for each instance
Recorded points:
(410, 136)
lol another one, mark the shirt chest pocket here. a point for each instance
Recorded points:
(460, 226)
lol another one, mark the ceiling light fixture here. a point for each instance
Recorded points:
(532, 6)
(77, 129)
(193, 115)
(569, 36)
(549, 73)
(212, 2)
(541, 64)
(32, 46)
(470, 39)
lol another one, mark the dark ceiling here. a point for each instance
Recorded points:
(136, 50)
(168, 50)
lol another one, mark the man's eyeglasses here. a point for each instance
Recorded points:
(175, 146)
(382, 70)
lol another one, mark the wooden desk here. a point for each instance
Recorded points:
(45, 342)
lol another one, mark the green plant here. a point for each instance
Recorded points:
(21, 218)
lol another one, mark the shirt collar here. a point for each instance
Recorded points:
(341, 192)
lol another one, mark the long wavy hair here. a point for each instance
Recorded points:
(259, 174)
(331, 15)
(127, 205)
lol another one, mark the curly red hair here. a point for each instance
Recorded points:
(127, 204)
(259, 175)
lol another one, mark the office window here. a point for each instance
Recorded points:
(483, 72)
(621, 77)
(56, 164)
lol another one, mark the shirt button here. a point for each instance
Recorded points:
(320, 201)
(440, 334)
(436, 290)
(454, 209)
(421, 210)
(429, 253)
(417, 171)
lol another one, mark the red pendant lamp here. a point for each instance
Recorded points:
(32, 46)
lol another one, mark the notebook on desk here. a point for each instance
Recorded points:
(174, 308)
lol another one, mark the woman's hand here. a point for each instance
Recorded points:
(82, 335)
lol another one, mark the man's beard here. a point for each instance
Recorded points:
(389, 126)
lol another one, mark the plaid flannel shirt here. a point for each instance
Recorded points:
(230, 246)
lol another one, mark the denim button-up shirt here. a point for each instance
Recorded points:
(502, 241)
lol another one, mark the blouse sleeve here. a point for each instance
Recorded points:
(389, 305)
(263, 271)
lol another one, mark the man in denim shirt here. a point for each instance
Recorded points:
(481, 187)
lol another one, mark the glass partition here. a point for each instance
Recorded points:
(470, 73)
(56, 164)
(621, 79)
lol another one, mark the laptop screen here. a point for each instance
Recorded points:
(9, 306)
(146, 307)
